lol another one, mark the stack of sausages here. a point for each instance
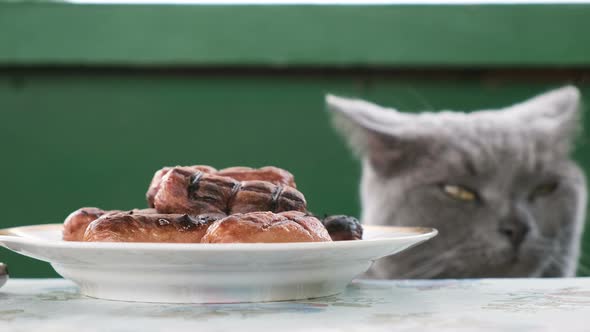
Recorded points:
(199, 204)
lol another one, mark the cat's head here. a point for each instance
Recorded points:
(499, 185)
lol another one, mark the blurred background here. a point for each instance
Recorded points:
(95, 98)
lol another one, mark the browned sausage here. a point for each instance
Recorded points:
(134, 227)
(76, 223)
(184, 191)
(274, 175)
(267, 227)
(155, 184)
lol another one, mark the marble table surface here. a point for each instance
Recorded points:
(421, 305)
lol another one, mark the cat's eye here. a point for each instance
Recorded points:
(544, 189)
(459, 193)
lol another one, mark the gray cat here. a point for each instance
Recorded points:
(498, 185)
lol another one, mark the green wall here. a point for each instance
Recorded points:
(80, 139)
(94, 99)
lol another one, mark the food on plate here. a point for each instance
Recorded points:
(343, 228)
(200, 204)
(274, 175)
(185, 191)
(138, 227)
(155, 184)
(76, 223)
(267, 227)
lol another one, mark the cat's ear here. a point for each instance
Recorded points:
(554, 115)
(556, 111)
(357, 119)
(383, 135)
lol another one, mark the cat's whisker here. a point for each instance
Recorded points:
(425, 266)
(428, 267)
(557, 261)
(438, 264)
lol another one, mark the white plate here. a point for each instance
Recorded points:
(210, 273)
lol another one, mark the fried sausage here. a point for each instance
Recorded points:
(184, 191)
(76, 223)
(155, 184)
(267, 227)
(274, 175)
(133, 227)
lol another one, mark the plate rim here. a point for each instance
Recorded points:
(418, 234)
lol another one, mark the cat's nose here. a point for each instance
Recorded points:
(515, 231)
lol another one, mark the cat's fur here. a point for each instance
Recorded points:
(514, 227)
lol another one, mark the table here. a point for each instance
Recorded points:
(416, 305)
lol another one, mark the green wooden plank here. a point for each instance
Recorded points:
(204, 35)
